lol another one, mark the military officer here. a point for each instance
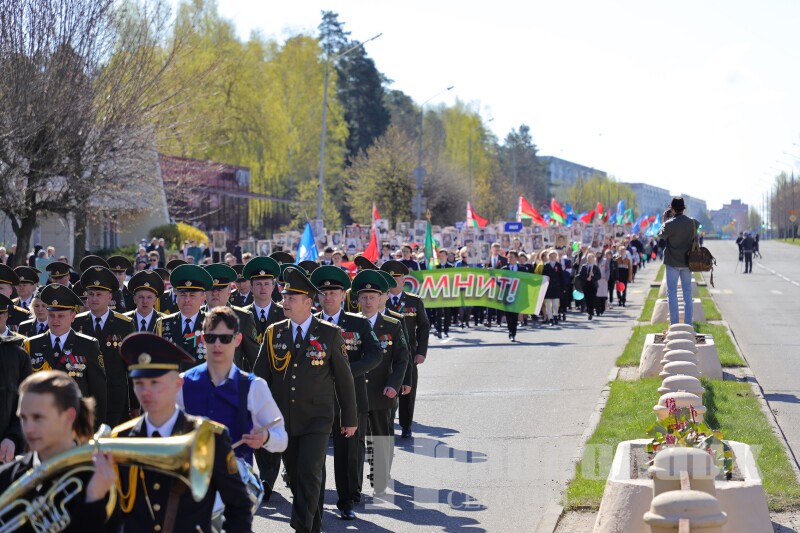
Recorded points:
(168, 304)
(59, 273)
(109, 328)
(8, 279)
(219, 296)
(364, 355)
(284, 259)
(418, 328)
(89, 261)
(146, 287)
(384, 382)
(242, 296)
(15, 365)
(156, 501)
(308, 265)
(310, 378)
(121, 266)
(37, 324)
(28, 283)
(62, 348)
(351, 301)
(184, 328)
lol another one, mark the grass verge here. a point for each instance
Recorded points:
(661, 270)
(728, 356)
(731, 405)
(649, 305)
(710, 308)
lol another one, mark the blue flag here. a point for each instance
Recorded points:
(570, 214)
(621, 212)
(308, 247)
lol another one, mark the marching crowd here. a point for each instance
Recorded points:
(281, 356)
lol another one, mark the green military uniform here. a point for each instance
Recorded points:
(167, 303)
(79, 355)
(123, 298)
(310, 378)
(418, 327)
(179, 329)
(145, 280)
(160, 502)
(109, 333)
(237, 298)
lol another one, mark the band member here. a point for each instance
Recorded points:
(184, 328)
(364, 355)
(109, 328)
(384, 382)
(38, 324)
(158, 501)
(219, 296)
(15, 365)
(146, 287)
(418, 329)
(310, 378)
(55, 418)
(219, 390)
(62, 348)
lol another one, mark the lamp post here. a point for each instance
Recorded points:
(473, 130)
(419, 173)
(320, 185)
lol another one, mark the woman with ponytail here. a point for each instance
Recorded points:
(55, 418)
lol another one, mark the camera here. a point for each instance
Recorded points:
(668, 214)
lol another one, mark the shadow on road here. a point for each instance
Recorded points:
(779, 397)
(439, 450)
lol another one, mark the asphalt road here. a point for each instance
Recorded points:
(497, 425)
(763, 312)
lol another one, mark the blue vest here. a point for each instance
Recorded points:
(226, 404)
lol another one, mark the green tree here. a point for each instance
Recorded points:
(519, 161)
(585, 193)
(753, 220)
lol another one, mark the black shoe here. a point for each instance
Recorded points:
(446, 335)
(513, 338)
(406, 433)
(552, 321)
(348, 515)
(591, 316)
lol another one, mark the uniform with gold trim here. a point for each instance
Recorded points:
(364, 355)
(238, 298)
(115, 327)
(8, 279)
(59, 273)
(167, 303)
(284, 259)
(32, 327)
(15, 365)
(247, 351)
(80, 355)
(173, 327)
(148, 281)
(28, 278)
(309, 380)
(121, 266)
(149, 498)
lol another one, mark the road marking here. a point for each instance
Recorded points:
(715, 291)
(775, 273)
(727, 291)
(448, 339)
(775, 291)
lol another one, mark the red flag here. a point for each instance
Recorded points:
(588, 217)
(527, 210)
(555, 208)
(473, 220)
(372, 250)
(599, 209)
(375, 214)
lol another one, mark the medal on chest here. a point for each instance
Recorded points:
(75, 365)
(316, 351)
(384, 341)
(352, 340)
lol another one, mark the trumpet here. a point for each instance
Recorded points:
(189, 458)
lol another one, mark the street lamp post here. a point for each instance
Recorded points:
(419, 173)
(320, 185)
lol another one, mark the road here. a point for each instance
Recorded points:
(763, 310)
(497, 425)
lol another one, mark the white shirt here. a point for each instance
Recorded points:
(146, 319)
(304, 326)
(62, 338)
(372, 320)
(191, 324)
(6, 333)
(334, 319)
(103, 319)
(259, 309)
(263, 410)
(26, 304)
(165, 429)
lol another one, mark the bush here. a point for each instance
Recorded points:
(175, 234)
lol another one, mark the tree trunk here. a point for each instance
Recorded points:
(79, 243)
(23, 232)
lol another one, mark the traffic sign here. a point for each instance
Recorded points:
(513, 227)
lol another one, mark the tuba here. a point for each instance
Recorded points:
(189, 458)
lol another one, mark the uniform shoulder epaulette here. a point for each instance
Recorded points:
(26, 345)
(171, 315)
(218, 428)
(81, 315)
(354, 316)
(24, 322)
(410, 294)
(130, 313)
(123, 317)
(275, 325)
(125, 426)
(84, 336)
(238, 309)
(18, 308)
(14, 338)
(391, 319)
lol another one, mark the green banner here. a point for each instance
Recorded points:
(506, 290)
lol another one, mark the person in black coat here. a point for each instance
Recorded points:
(590, 275)
(15, 366)
(512, 317)
(60, 418)
(552, 296)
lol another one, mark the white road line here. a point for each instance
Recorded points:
(784, 278)
(775, 291)
(448, 339)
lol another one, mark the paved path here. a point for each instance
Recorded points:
(497, 427)
(763, 311)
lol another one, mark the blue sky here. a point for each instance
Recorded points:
(696, 97)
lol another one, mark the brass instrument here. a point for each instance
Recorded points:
(189, 458)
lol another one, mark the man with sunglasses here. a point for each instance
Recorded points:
(219, 390)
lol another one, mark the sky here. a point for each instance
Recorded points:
(692, 96)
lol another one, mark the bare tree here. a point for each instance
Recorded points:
(79, 95)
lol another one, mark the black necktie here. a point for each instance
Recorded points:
(395, 301)
(299, 337)
(156, 434)
(25, 305)
(42, 327)
(97, 328)
(187, 330)
(263, 317)
(57, 346)
(144, 326)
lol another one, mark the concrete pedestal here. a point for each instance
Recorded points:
(661, 311)
(652, 354)
(662, 291)
(626, 500)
